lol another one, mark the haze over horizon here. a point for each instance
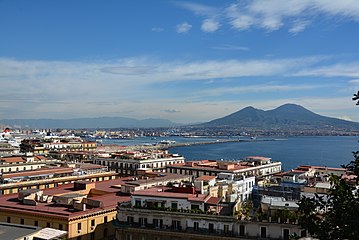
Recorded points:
(186, 61)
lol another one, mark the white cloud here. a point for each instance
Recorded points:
(228, 47)
(354, 81)
(260, 88)
(272, 15)
(157, 29)
(210, 25)
(183, 27)
(298, 26)
(198, 9)
(337, 70)
(59, 89)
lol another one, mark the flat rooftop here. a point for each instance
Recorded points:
(214, 165)
(110, 197)
(109, 200)
(16, 231)
(166, 192)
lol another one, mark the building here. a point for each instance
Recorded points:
(48, 172)
(270, 205)
(20, 232)
(84, 209)
(136, 162)
(53, 182)
(43, 146)
(8, 149)
(20, 163)
(226, 186)
(166, 213)
(251, 166)
(34, 146)
(49, 176)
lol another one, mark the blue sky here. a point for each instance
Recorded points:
(187, 61)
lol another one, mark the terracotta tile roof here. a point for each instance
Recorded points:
(109, 201)
(206, 178)
(12, 159)
(213, 200)
(39, 172)
(40, 158)
(164, 192)
(322, 168)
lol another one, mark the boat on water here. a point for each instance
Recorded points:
(167, 142)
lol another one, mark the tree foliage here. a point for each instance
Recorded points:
(337, 216)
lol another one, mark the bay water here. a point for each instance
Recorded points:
(330, 151)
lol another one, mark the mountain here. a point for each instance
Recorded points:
(285, 116)
(100, 122)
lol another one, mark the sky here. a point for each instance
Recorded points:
(186, 61)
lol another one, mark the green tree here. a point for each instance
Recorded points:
(337, 216)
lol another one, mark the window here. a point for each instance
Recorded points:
(36, 223)
(138, 203)
(60, 227)
(129, 219)
(226, 229)
(194, 206)
(8, 220)
(47, 224)
(211, 227)
(92, 222)
(196, 226)
(263, 232)
(242, 230)
(174, 205)
(105, 219)
(157, 223)
(176, 224)
(285, 234)
(79, 226)
(22, 221)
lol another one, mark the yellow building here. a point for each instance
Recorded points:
(15, 187)
(84, 209)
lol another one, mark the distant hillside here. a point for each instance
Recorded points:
(101, 122)
(285, 116)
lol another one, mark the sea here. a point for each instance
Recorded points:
(330, 151)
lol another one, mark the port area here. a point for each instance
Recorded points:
(187, 144)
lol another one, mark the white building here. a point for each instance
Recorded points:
(227, 186)
(135, 162)
(165, 215)
(254, 166)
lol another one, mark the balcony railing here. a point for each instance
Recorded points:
(127, 206)
(172, 211)
(201, 231)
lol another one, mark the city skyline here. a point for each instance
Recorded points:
(186, 61)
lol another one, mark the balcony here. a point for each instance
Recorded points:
(166, 228)
(194, 213)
